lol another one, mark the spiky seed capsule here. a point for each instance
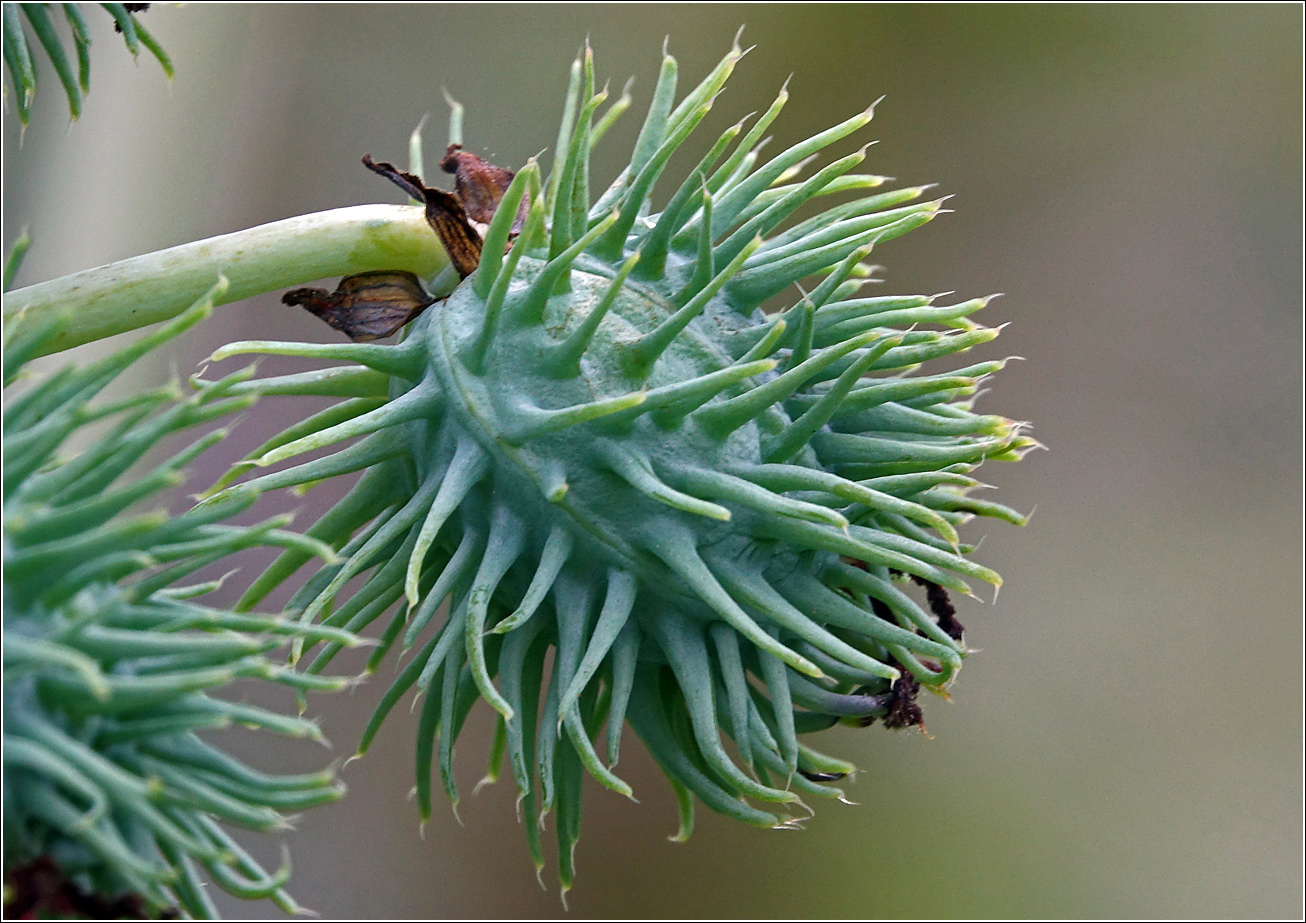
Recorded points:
(108, 657)
(599, 445)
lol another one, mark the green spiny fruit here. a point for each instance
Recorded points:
(109, 657)
(599, 445)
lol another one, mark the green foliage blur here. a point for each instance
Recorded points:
(1129, 740)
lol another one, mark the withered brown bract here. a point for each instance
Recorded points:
(368, 306)
(444, 213)
(372, 305)
(479, 185)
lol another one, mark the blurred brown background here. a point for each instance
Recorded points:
(1129, 740)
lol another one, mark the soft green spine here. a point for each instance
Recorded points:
(599, 446)
(110, 655)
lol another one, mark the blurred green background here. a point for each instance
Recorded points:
(1129, 741)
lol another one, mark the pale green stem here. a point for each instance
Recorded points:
(144, 290)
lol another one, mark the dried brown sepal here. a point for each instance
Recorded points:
(444, 213)
(368, 306)
(41, 891)
(480, 186)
